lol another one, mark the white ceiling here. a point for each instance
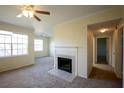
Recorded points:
(59, 14)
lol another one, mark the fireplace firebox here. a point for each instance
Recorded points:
(65, 64)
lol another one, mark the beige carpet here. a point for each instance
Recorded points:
(100, 74)
(37, 76)
(62, 74)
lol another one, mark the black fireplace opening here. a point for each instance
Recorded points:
(65, 64)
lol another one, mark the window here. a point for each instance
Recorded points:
(5, 45)
(38, 45)
(12, 44)
(19, 44)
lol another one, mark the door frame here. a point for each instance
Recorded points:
(109, 51)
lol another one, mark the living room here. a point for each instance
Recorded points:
(51, 49)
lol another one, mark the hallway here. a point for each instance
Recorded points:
(105, 46)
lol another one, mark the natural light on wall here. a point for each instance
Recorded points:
(38, 45)
(12, 44)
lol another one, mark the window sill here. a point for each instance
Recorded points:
(39, 51)
(13, 56)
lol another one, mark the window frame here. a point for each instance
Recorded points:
(5, 47)
(11, 44)
(38, 44)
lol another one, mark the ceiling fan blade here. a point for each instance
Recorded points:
(42, 12)
(19, 15)
(37, 18)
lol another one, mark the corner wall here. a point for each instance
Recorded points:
(90, 51)
(117, 50)
(51, 46)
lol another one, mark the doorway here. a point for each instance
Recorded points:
(102, 51)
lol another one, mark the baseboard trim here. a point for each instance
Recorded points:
(16, 68)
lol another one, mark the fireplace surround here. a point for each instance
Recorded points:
(68, 53)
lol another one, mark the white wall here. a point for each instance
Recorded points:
(113, 48)
(82, 55)
(117, 53)
(9, 63)
(45, 51)
(90, 52)
(51, 46)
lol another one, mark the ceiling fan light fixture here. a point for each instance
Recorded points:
(31, 14)
(20, 15)
(25, 13)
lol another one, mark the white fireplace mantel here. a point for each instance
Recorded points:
(67, 52)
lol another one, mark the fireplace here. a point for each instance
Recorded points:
(65, 64)
(65, 59)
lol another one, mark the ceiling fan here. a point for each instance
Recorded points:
(29, 12)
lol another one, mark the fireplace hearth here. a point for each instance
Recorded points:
(65, 64)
